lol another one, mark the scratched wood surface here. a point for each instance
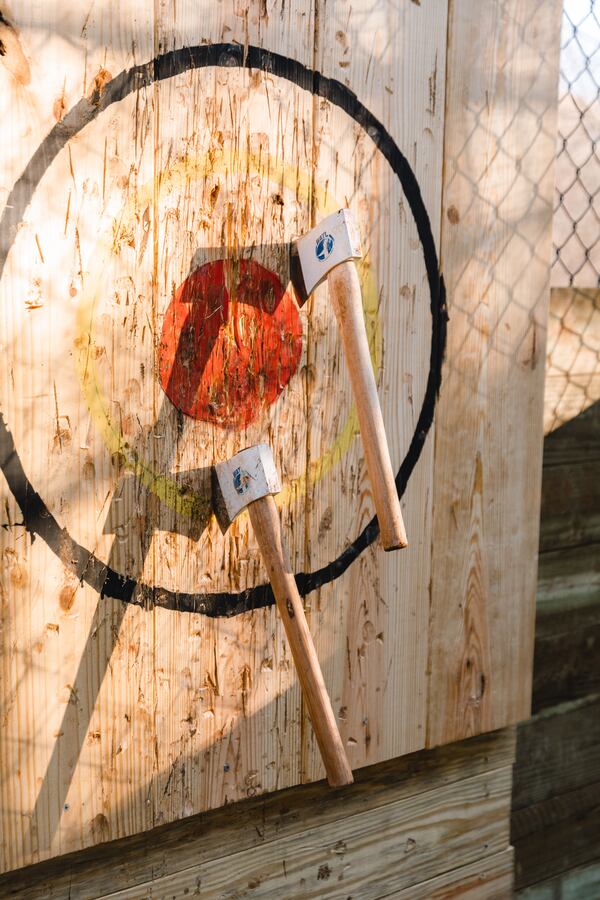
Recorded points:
(384, 697)
(443, 813)
(118, 716)
(498, 189)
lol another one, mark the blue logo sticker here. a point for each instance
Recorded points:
(241, 480)
(324, 245)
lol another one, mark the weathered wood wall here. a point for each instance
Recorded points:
(433, 824)
(556, 798)
(118, 716)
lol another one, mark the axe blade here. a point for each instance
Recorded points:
(246, 477)
(333, 241)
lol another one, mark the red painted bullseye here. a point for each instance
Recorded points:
(224, 358)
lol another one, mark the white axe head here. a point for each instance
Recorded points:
(333, 241)
(247, 476)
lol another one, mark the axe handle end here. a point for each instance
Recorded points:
(267, 530)
(345, 294)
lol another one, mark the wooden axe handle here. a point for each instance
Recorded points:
(344, 290)
(265, 522)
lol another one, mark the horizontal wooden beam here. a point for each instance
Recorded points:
(433, 810)
(557, 752)
(555, 822)
(487, 879)
(567, 651)
(368, 854)
(556, 835)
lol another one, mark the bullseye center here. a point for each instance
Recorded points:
(231, 341)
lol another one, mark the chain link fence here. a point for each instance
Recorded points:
(577, 212)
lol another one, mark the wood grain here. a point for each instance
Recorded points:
(570, 513)
(376, 49)
(344, 289)
(567, 661)
(557, 771)
(497, 205)
(556, 835)
(252, 823)
(571, 573)
(267, 531)
(489, 879)
(119, 718)
(150, 715)
(76, 736)
(373, 852)
(557, 752)
(229, 717)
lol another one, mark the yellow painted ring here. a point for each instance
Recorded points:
(163, 486)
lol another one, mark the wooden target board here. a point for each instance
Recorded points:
(159, 163)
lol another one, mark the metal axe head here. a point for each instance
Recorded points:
(247, 476)
(333, 241)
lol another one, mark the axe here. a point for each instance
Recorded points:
(328, 251)
(248, 480)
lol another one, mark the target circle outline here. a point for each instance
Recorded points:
(37, 518)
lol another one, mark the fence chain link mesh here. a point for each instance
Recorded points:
(577, 212)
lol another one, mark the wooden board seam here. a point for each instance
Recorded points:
(423, 798)
(489, 860)
(354, 816)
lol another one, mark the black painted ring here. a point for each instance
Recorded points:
(36, 517)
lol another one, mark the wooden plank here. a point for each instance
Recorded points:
(487, 879)
(555, 822)
(569, 577)
(566, 658)
(496, 233)
(241, 184)
(581, 883)
(573, 330)
(396, 63)
(556, 796)
(249, 825)
(557, 752)
(267, 736)
(556, 834)
(69, 734)
(385, 849)
(570, 512)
